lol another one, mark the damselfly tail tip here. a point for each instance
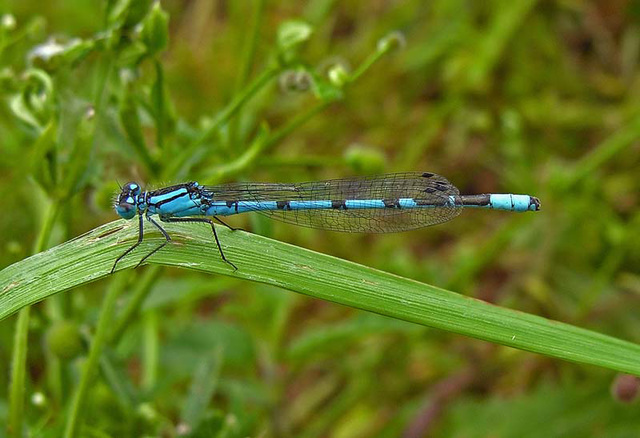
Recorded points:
(535, 204)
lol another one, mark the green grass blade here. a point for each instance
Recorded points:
(90, 257)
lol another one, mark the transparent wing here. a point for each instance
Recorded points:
(433, 192)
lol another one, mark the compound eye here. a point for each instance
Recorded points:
(132, 188)
(126, 203)
(126, 208)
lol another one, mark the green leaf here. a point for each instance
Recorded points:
(76, 168)
(21, 110)
(117, 10)
(35, 104)
(130, 120)
(291, 35)
(162, 108)
(132, 54)
(91, 256)
(326, 90)
(44, 161)
(52, 55)
(155, 29)
(77, 50)
(126, 13)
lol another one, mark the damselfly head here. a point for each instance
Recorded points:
(126, 203)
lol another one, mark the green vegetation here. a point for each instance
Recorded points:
(521, 97)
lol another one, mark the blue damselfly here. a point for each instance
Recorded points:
(378, 204)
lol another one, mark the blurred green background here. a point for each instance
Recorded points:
(498, 96)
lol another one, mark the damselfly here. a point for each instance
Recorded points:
(378, 204)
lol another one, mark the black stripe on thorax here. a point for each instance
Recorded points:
(165, 190)
(173, 198)
(192, 190)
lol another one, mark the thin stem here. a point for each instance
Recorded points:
(250, 48)
(19, 354)
(159, 105)
(182, 162)
(260, 145)
(296, 123)
(248, 56)
(367, 64)
(237, 103)
(47, 226)
(18, 373)
(238, 165)
(91, 365)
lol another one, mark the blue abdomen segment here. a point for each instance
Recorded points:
(517, 203)
(226, 208)
(507, 202)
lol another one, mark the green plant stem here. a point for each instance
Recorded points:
(294, 124)
(21, 336)
(237, 103)
(18, 373)
(238, 165)
(54, 377)
(505, 24)
(90, 367)
(160, 105)
(368, 63)
(248, 56)
(249, 52)
(47, 227)
(180, 168)
(261, 145)
(132, 126)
